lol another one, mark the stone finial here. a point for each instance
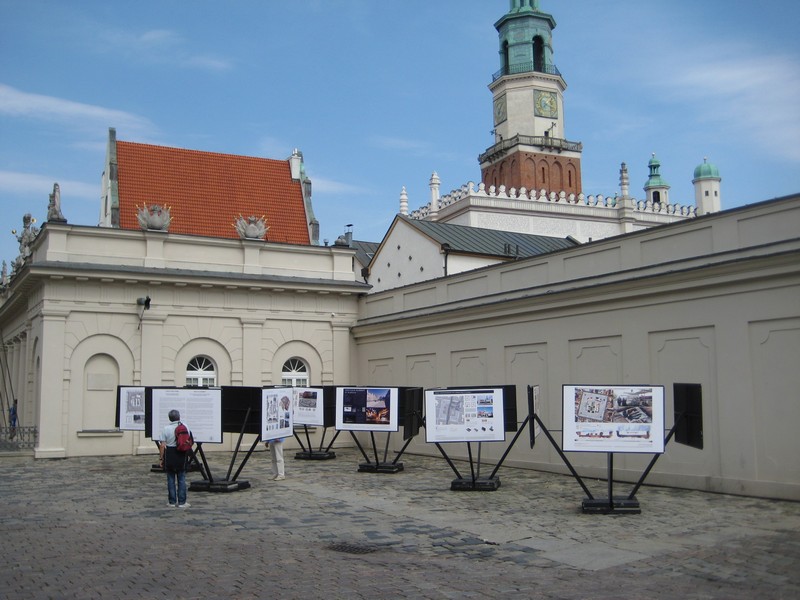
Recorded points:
(154, 217)
(54, 214)
(251, 228)
(434, 183)
(403, 201)
(624, 181)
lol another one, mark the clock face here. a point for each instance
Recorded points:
(500, 114)
(545, 104)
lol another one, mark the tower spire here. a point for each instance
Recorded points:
(530, 147)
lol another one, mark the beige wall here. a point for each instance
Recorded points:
(75, 332)
(714, 301)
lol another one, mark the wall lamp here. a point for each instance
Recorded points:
(145, 304)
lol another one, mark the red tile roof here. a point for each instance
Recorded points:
(207, 191)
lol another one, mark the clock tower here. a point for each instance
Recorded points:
(530, 149)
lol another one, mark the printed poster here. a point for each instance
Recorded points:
(307, 406)
(131, 408)
(474, 415)
(276, 413)
(200, 408)
(367, 409)
(601, 418)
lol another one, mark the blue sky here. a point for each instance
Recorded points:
(378, 95)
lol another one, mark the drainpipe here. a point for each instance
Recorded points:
(446, 250)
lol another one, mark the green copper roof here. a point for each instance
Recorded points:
(655, 179)
(706, 171)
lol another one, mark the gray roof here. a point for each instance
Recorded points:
(490, 242)
(364, 250)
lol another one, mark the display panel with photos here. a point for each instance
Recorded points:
(464, 415)
(603, 418)
(200, 408)
(130, 408)
(276, 413)
(307, 406)
(367, 408)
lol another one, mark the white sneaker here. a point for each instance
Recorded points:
(279, 478)
(184, 505)
(171, 505)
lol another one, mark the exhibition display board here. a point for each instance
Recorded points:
(307, 406)
(464, 415)
(613, 418)
(200, 408)
(372, 409)
(130, 408)
(276, 413)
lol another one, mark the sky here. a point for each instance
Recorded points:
(379, 95)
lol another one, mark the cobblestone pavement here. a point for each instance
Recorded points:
(100, 528)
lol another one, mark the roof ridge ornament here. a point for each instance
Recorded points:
(154, 217)
(251, 228)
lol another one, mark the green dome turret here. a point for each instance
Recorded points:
(655, 180)
(706, 170)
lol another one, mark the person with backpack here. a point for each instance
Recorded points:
(176, 442)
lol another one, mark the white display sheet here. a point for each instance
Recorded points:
(603, 418)
(536, 428)
(367, 409)
(200, 408)
(307, 406)
(276, 413)
(131, 408)
(474, 415)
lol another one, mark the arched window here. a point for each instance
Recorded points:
(295, 373)
(201, 372)
(538, 54)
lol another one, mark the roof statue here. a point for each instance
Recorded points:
(155, 217)
(25, 239)
(251, 228)
(54, 207)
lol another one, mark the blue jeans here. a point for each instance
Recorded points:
(180, 493)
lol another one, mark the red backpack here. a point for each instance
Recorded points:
(183, 438)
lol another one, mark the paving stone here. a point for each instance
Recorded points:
(97, 527)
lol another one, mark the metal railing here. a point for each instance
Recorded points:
(18, 438)
(542, 141)
(528, 67)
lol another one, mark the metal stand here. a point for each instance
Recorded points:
(379, 466)
(610, 505)
(307, 453)
(476, 483)
(627, 505)
(229, 484)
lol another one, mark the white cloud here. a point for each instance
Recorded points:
(406, 145)
(36, 185)
(16, 103)
(758, 99)
(162, 46)
(330, 186)
(418, 148)
(272, 147)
